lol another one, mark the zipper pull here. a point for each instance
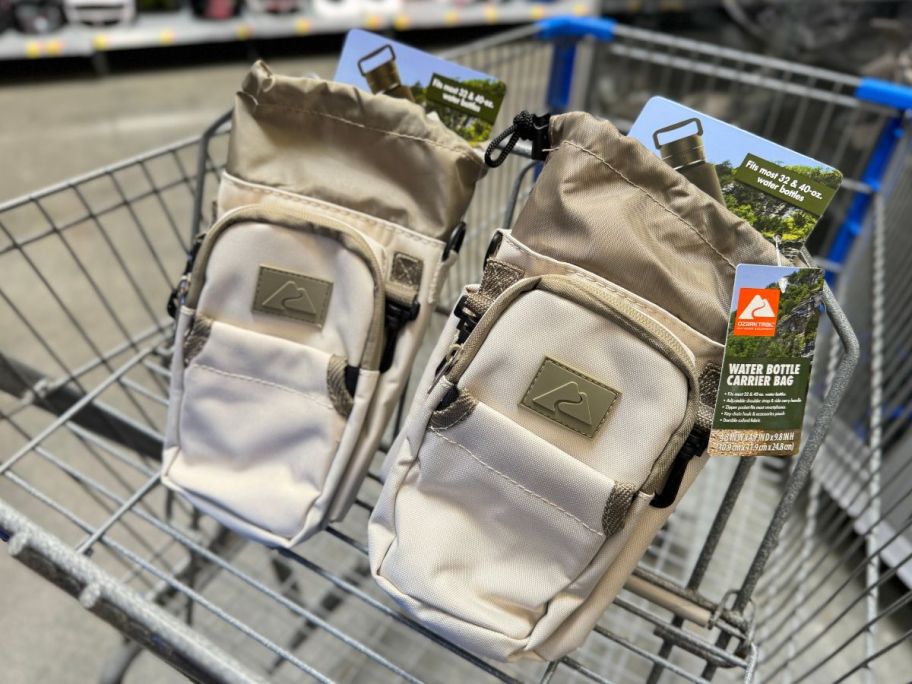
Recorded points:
(179, 293)
(693, 446)
(446, 363)
(396, 316)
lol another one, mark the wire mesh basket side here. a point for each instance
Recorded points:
(843, 568)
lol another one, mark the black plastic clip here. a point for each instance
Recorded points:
(541, 141)
(395, 318)
(493, 248)
(454, 242)
(176, 298)
(467, 320)
(693, 446)
(351, 379)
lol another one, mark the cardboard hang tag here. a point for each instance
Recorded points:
(766, 367)
(462, 99)
(778, 191)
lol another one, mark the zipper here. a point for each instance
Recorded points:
(612, 307)
(304, 219)
(395, 317)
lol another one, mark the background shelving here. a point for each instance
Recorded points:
(184, 28)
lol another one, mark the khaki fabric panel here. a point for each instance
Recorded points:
(652, 391)
(532, 263)
(385, 156)
(233, 276)
(465, 478)
(608, 205)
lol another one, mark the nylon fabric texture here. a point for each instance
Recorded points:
(385, 157)
(653, 392)
(493, 608)
(232, 281)
(512, 529)
(617, 210)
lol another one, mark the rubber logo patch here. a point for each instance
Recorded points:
(568, 397)
(757, 309)
(283, 293)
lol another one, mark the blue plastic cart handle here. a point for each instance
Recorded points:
(563, 58)
(882, 92)
(568, 26)
(889, 94)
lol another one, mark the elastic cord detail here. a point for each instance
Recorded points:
(526, 126)
(523, 127)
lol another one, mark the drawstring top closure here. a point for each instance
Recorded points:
(526, 126)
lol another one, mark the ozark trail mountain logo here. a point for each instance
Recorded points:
(290, 297)
(567, 399)
(756, 312)
(570, 398)
(293, 295)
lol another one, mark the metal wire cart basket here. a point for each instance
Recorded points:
(770, 569)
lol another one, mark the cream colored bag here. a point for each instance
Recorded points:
(307, 300)
(570, 404)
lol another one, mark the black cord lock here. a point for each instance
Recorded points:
(526, 126)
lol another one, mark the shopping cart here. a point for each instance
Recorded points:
(85, 269)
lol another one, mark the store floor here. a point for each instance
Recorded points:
(50, 132)
(58, 129)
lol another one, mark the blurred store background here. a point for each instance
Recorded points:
(86, 83)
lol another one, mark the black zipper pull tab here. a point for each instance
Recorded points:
(176, 298)
(693, 446)
(395, 318)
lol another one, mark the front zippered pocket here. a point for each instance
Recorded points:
(563, 330)
(317, 224)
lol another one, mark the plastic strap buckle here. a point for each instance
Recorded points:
(467, 319)
(396, 316)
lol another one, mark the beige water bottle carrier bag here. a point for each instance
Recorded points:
(566, 407)
(338, 216)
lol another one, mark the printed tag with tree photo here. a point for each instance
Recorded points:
(779, 192)
(767, 362)
(464, 100)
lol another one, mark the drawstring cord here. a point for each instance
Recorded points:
(526, 126)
